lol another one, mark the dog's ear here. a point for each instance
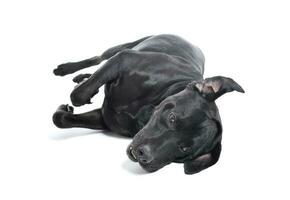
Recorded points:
(214, 87)
(202, 162)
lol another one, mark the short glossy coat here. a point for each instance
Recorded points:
(154, 92)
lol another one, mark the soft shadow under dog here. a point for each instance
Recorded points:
(133, 167)
(78, 132)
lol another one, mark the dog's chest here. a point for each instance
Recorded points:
(122, 120)
(133, 123)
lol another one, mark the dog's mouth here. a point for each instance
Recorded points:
(151, 166)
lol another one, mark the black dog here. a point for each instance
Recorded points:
(154, 92)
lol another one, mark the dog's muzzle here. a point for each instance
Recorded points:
(140, 154)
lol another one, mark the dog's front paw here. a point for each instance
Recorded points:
(66, 108)
(78, 100)
(64, 69)
(60, 115)
(81, 78)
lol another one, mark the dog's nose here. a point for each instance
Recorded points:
(130, 153)
(143, 154)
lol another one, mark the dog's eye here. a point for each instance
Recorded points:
(171, 118)
(168, 106)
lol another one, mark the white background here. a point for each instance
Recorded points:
(246, 40)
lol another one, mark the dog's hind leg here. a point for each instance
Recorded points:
(113, 69)
(71, 67)
(65, 118)
(110, 71)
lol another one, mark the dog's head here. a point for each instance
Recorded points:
(185, 125)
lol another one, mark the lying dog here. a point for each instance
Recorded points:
(154, 92)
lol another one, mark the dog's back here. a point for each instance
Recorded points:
(173, 45)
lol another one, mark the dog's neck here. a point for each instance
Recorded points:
(172, 89)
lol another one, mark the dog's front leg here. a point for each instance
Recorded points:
(65, 118)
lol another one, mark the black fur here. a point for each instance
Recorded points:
(154, 92)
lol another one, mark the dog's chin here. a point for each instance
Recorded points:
(152, 166)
